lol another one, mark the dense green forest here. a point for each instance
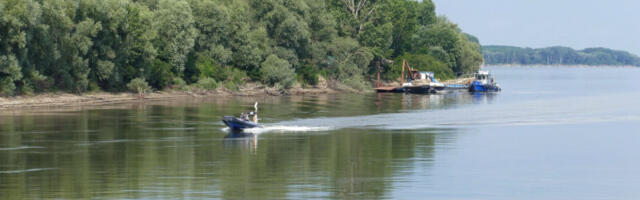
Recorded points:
(115, 45)
(558, 56)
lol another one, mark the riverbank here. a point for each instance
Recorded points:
(61, 99)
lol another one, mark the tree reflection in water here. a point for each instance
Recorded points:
(173, 150)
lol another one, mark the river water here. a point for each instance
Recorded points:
(552, 133)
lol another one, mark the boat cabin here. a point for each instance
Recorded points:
(422, 75)
(484, 77)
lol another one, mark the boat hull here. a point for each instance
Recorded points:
(479, 87)
(235, 123)
(390, 90)
(425, 89)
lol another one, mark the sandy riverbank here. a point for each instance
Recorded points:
(62, 100)
(54, 100)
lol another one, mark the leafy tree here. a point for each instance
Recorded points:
(9, 74)
(176, 32)
(79, 45)
(404, 17)
(276, 71)
(161, 74)
(123, 46)
(352, 15)
(422, 62)
(349, 61)
(445, 41)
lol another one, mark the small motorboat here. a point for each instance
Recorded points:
(243, 122)
(236, 123)
(484, 83)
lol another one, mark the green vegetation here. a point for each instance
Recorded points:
(207, 84)
(558, 56)
(138, 85)
(276, 71)
(424, 62)
(82, 45)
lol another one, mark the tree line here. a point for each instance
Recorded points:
(115, 45)
(558, 56)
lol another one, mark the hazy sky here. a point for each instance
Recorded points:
(541, 23)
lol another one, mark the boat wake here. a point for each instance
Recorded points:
(21, 148)
(282, 129)
(25, 171)
(535, 112)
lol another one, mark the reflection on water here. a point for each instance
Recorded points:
(168, 150)
(241, 140)
(552, 140)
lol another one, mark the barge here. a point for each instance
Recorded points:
(419, 82)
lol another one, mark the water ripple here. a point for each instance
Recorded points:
(25, 171)
(21, 148)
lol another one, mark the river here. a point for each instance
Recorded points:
(552, 133)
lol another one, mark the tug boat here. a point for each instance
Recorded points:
(484, 82)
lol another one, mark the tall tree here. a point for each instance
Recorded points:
(353, 14)
(176, 32)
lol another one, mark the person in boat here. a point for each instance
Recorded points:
(250, 114)
(254, 115)
(244, 116)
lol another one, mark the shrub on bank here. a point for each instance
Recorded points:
(138, 85)
(207, 84)
(276, 71)
(178, 83)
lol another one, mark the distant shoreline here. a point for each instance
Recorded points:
(572, 66)
(558, 55)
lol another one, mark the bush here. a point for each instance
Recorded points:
(26, 89)
(276, 71)
(39, 82)
(356, 83)
(9, 73)
(231, 85)
(179, 83)
(7, 87)
(93, 86)
(138, 85)
(309, 74)
(207, 84)
(231, 78)
(161, 75)
(208, 67)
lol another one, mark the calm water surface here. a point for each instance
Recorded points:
(553, 133)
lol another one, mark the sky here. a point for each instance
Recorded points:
(541, 23)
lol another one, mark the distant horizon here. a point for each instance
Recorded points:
(546, 23)
(578, 49)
